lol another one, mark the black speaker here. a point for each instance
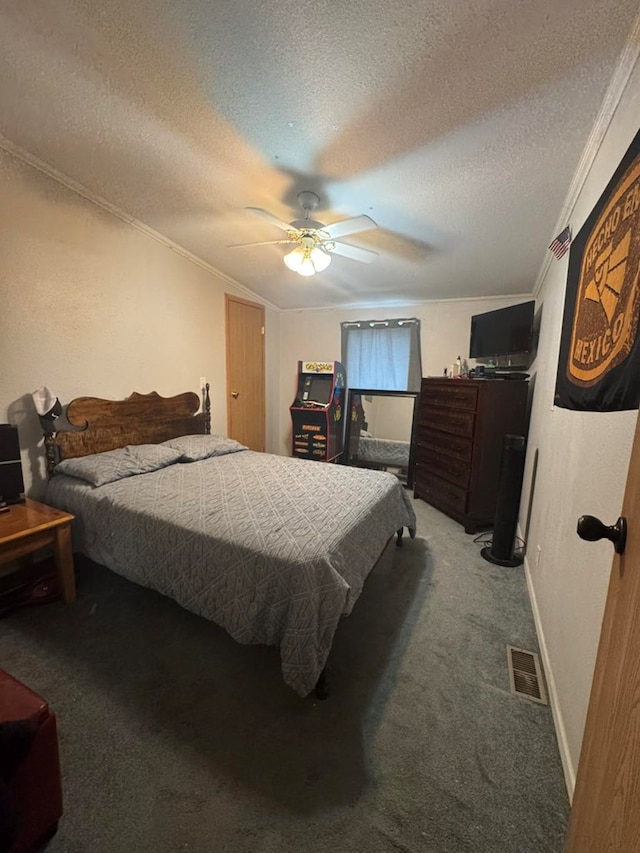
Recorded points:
(501, 551)
(11, 482)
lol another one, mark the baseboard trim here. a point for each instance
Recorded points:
(558, 720)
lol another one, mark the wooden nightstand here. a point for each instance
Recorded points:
(29, 526)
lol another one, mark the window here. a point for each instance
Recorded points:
(382, 354)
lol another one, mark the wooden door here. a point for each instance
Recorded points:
(245, 372)
(605, 816)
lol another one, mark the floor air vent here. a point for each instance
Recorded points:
(525, 675)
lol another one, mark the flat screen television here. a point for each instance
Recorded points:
(505, 332)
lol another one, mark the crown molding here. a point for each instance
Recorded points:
(619, 81)
(79, 189)
(380, 306)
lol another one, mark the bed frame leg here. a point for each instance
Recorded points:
(322, 685)
(399, 537)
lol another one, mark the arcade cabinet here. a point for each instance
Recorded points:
(317, 413)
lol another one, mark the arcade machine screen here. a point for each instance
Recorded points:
(317, 389)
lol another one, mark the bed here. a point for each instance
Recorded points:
(275, 550)
(385, 452)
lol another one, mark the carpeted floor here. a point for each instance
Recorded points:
(175, 738)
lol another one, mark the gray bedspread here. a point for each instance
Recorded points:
(272, 549)
(384, 451)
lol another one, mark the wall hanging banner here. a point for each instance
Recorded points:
(599, 362)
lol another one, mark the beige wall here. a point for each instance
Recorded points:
(582, 460)
(389, 417)
(314, 335)
(91, 305)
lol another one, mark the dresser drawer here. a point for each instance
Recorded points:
(455, 421)
(453, 393)
(440, 493)
(458, 446)
(448, 467)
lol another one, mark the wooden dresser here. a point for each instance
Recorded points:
(460, 431)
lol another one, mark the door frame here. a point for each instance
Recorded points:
(231, 297)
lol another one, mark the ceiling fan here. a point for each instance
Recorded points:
(314, 241)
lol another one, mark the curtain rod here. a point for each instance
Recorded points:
(359, 324)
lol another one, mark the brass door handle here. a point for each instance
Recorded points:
(234, 394)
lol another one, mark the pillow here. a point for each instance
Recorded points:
(193, 448)
(101, 468)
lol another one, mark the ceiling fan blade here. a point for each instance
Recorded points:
(273, 219)
(350, 226)
(264, 243)
(356, 253)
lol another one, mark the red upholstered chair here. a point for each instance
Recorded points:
(30, 774)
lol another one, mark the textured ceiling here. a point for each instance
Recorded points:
(457, 126)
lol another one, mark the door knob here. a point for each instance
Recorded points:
(592, 529)
(234, 394)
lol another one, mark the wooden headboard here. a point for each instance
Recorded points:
(99, 425)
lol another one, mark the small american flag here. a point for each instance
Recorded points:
(562, 242)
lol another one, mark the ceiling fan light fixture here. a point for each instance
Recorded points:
(315, 241)
(307, 260)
